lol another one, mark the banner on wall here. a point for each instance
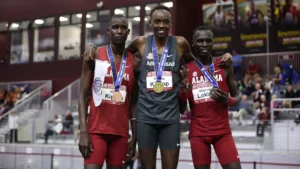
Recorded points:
(220, 17)
(46, 39)
(286, 15)
(251, 25)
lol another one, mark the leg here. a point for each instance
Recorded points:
(116, 152)
(169, 143)
(147, 136)
(201, 152)
(97, 156)
(226, 152)
(11, 136)
(16, 135)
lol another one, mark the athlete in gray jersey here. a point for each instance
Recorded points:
(159, 108)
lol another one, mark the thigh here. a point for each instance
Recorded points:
(169, 158)
(226, 150)
(98, 155)
(147, 136)
(201, 151)
(148, 158)
(117, 150)
(169, 136)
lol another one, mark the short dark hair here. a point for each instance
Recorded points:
(159, 7)
(202, 28)
(118, 16)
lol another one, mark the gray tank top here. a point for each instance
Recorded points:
(159, 108)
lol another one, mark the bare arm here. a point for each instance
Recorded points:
(184, 49)
(232, 86)
(137, 45)
(85, 145)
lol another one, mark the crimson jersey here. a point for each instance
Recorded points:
(209, 117)
(110, 118)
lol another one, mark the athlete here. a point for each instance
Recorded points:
(109, 79)
(209, 101)
(159, 79)
(253, 16)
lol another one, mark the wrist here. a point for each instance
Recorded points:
(231, 101)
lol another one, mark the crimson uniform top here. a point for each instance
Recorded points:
(209, 117)
(109, 118)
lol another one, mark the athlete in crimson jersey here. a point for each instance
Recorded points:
(109, 118)
(109, 79)
(209, 116)
(209, 100)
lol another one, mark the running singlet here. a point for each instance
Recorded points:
(209, 117)
(108, 117)
(159, 108)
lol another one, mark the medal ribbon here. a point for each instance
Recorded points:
(159, 68)
(206, 74)
(117, 78)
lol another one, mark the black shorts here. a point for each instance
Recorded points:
(167, 136)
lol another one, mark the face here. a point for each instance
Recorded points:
(290, 88)
(263, 98)
(219, 9)
(202, 42)
(244, 97)
(257, 86)
(160, 23)
(118, 31)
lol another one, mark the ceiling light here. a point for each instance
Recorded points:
(39, 21)
(138, 8)
(146, 19)
(79, 15)
(118, 11)
(88, 16)
(137, 18)
(63, 19)
(168, 4)
(15, 25)
(89, 25)
(147, 8)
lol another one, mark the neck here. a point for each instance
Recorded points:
(205, 59)
(160, 42)
(117, 49)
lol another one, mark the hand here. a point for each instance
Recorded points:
(131, 149)
(226, 60)
(85, 144)
(184, 84)
(219, 95)
(89, 52)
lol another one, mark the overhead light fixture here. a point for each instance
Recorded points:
(168, 4)
(137, 18)
(118, 11)
(146, 19)
(7, 25)
(63, 19)
(39, 21)
(89, 25)
(15, 25)
(79, 15)
(138, 8)
(147, 8)
(88, 16)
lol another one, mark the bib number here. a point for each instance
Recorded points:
(166, 80)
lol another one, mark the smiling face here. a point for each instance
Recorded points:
(160, 23)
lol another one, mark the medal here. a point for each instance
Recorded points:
(117, 97)
(158, 87)
(117, 78)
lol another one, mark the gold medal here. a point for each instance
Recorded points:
(117, 96)
(158, 87)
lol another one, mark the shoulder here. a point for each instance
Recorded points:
(139, 40)
(181, 42)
